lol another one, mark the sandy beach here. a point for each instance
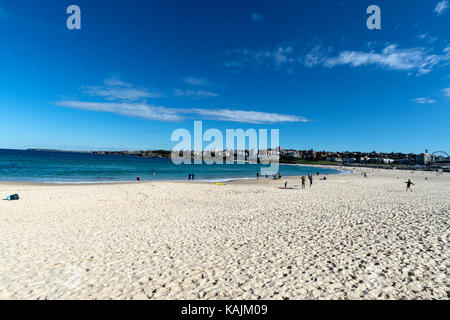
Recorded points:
(348, 237)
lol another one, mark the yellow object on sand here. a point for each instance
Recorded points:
(220, 184)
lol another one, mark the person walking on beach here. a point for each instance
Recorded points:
(310, 177)
(408, 185)
(257, 176)
(190, 177)
(303, 182)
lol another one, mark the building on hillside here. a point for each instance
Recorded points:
(424, 158)
(349, 160)
(293, 154)
(381, 160)
(334, 159)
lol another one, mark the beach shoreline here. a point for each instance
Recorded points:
(229, 180)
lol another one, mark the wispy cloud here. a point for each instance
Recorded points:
(120, 99)
(280, 58)
(114, 89)
(256, 16)
(193, 81)
(428, 38)
(317, 55)
(419, 60)
(150, 112)
(245, 116)
(118, 83)
(441, 7)
(424, 100)
(137, 110)
(446, 92)
(195, 93)
(391, 57)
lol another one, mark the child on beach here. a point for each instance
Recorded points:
(408, 185)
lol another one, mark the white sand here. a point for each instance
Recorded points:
(347, 237)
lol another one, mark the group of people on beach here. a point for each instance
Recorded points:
(278, 176)
(310, 178)
(191, 177)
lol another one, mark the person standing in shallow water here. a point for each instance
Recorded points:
(408, 185)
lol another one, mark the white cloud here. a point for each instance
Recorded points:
(256, 16)
(446, 92)
(195, 93)
(118, 90)
(428, 38)
(316, 56)
(138, 110)
(418, 60)
(123, 96)
(441, 7)
(145, 111)
(115, 82)
(195, 81)
(245, 116)
(282, 56)
(391, 57)
(424, 100)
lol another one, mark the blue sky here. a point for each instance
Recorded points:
(137, 70)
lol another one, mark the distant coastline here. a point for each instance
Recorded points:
(419, 162)
(57, 167)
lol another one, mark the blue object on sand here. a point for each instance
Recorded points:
(13, 197)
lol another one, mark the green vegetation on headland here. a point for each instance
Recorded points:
(146, 154)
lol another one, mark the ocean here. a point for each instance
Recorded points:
(73, 167)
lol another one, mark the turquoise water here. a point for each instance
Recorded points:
(70, 167)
